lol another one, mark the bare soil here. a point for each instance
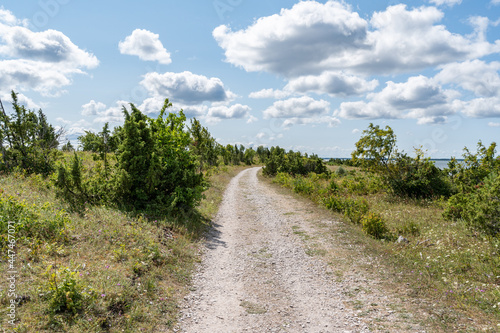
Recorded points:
(273, 263)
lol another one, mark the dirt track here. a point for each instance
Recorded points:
(262, 273)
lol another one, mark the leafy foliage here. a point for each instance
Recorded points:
(478, 181)
(65, 291)
(31, 223)
(376, 148)
(155, 168)
(415, 177)
(28, 141)
(374, 225)
(293, 163)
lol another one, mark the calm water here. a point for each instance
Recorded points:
(440, 163)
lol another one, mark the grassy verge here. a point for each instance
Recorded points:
(450, 270)
(100, 271)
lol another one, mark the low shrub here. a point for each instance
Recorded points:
(65, 291)
(355, 209)
(334, 202)
(374, 225)
(481, 208)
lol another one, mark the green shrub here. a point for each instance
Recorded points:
(65, 291)
(303, 185)
(27, 140)
(31, 222)
(155, 168)
(293, 163)
(334, 202)
(416, 177)
(341, 172)
(375, 226)
(355, 209)
(481, 208)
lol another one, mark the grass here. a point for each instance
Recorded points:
(450, 270)
(100, 271)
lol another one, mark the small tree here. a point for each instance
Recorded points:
(28, 140)
(375, 148)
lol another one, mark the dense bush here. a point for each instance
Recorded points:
(478, 181)
(415, 177)
(293, 163)
(155, 168)
(27, 140)
(374, 225)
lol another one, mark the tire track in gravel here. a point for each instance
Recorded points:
(256, 276)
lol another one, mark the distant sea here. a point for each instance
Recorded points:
(441, 163)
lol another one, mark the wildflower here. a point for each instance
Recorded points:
(103, 295)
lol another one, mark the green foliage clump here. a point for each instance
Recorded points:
(374, 225)
(31, 222)
(293, 163)
(203, 145)
(65, 291)
(479, 208)
(416, 177)
(155, 168)
(27, 140)
(355, 209)
(478, 182)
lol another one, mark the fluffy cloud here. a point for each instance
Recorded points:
(152, 106)
(480, 107)
(42, 61)
(301, 107)
(419, 98)
(269, 93)
(311, 38)
(237, 111)
(93, 108)
(295, 42)
(146, 45)
(476, 76)
(186, 88)
(332, 83)
(104, 114)
(7, 18)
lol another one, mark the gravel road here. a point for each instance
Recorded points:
(259, 273)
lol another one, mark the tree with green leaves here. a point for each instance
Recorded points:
(376, 148)
(28, 140)
(203, 145)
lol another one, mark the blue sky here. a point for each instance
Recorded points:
(304, 75)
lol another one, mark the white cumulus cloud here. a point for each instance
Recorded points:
(477, 76)
(146, 45)
(93, 108)
(336, 84)
(42, 61)
(312, 38)
(419, 98)
(186, 88)
(237, 111)
(300, 107)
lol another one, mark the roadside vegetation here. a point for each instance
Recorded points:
(105, 238)
(436, 231)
